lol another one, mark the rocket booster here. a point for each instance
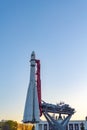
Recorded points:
(31, 111)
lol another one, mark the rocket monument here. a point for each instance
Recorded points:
(34, 107)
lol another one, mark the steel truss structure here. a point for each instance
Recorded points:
(60, 109)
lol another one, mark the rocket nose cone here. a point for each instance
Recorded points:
(33, 55)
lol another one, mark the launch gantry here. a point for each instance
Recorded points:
(60, 109)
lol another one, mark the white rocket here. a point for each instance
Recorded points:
(31, 111)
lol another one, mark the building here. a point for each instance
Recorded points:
(72, 125)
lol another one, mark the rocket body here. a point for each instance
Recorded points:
(31, 111)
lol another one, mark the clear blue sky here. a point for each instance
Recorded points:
(57, 31)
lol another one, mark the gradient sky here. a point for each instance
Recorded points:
(57, 31)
